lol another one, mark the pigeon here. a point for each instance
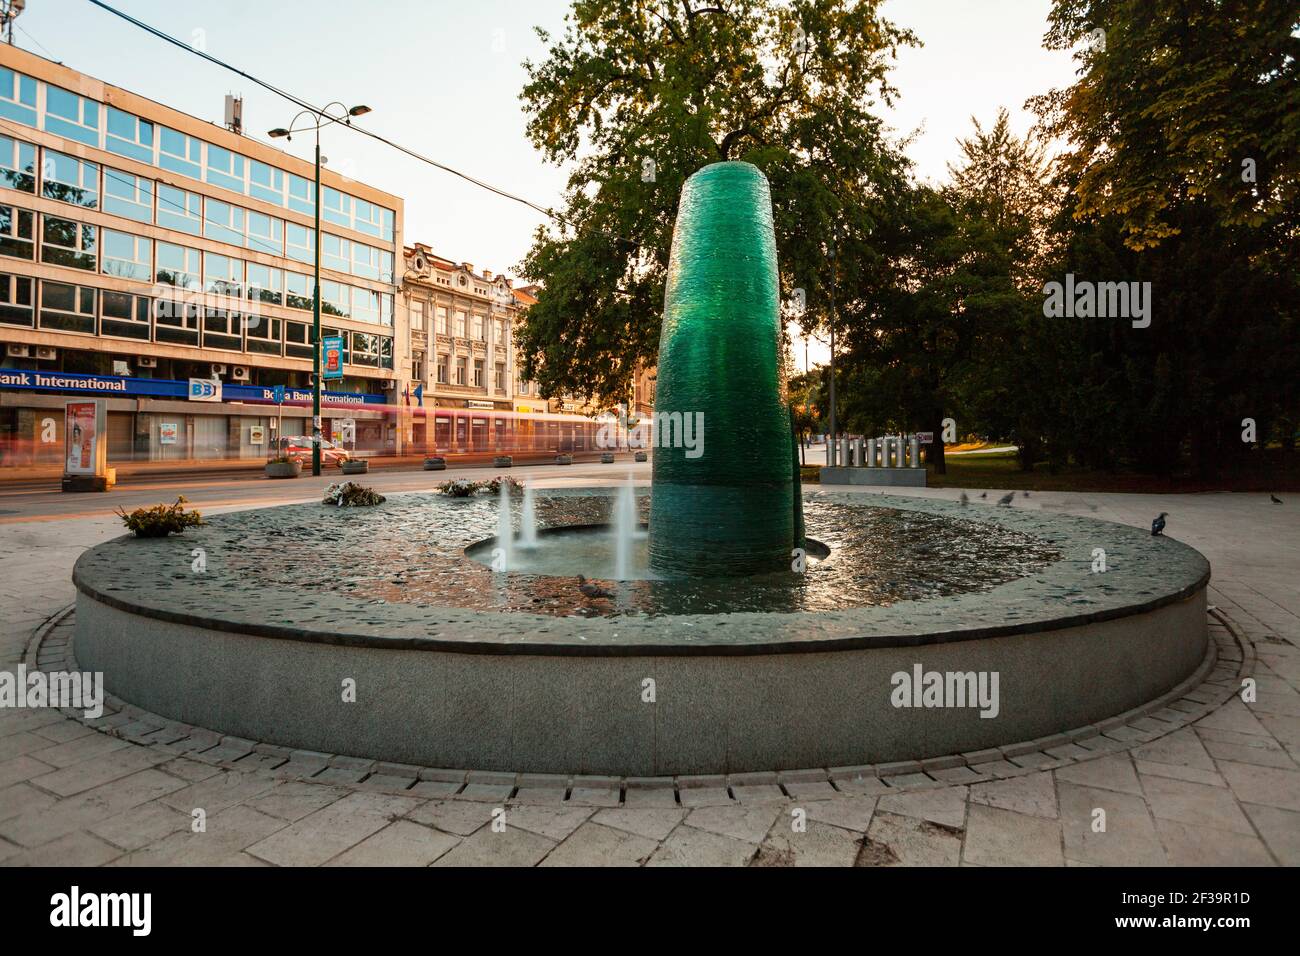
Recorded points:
(964, 500)
(1275, 499)
(1006, 499)
(592, 590)
(1158, 525)
(984, 494)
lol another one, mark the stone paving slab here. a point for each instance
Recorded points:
(1199, 777)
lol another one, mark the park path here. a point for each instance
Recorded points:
(1223, 790)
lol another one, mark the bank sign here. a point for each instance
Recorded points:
(125, 387)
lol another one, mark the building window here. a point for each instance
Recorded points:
(386, 267)
(68, 179)
(365, 306)
(386, 224)
(334, 252)
(386, 352)
(129, 136)
(298, 290)
(299, 242)
(180, 210)
(67, 243)
(223, 222)
(18, 97)
(302, 194)
(417, 366)
(297, 340)
(127, 195)
(460, 370)
(223, 275)
(262, 334)
(265, 233)
(17, 165)
(179, 153)
(67, 308)
(501, 332)
(440, 314)
(460, 326)
(386, 309)
(221, 330)
(478, 327)
(16, 300)
(175, 322)
(365, 349)
(225, 168)
(337, 207)
(124, 315)
(70, 115)
(366, 217)
(17, 233)
(265, 284)
(499, 378)
(335, 299)
(417, 316)
(177, 266)
(441, 369)
(478, 373)
(127, 256)
(266, 182)
(365, 261)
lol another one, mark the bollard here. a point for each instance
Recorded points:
(871, 453)
(914, 452)
(857, 453)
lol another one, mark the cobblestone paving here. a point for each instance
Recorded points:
(1204, 778)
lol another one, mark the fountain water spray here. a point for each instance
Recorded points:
(625, 530)
(528, 520)
(505, 533)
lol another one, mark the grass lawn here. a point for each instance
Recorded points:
(1002, 471)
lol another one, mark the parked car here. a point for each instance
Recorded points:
(298, 448)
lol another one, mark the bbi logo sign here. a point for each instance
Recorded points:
(205, 390)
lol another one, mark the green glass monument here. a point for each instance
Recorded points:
(723, 499)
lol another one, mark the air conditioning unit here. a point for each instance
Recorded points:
(47, 353)
(389, 385)
(239, 373)
(17, 351)
(218, 369)
(146, 361)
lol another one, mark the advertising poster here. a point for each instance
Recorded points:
(80, 437)
(256, 434)
(167, 433)
(332, 363)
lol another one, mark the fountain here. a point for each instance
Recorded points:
(774, 622)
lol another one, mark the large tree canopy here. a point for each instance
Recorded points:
(637, 96)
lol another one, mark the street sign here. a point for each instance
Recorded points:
(333, 359)
(277, 394)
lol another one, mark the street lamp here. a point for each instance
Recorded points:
(320, 119)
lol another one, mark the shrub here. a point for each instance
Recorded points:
(493, 485)
(458, 488)
(349, 494)
(161, 520)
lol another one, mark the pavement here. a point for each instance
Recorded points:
(1221, 790)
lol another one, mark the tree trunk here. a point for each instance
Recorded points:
(936, 448)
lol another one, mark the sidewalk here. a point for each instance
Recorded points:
(1225, 790)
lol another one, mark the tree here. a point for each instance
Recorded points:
(638, 95)
(1183, 163)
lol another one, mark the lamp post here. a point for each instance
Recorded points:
(319, 121)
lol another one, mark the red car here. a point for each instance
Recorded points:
(298, 448)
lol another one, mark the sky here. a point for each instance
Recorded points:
(443, 78)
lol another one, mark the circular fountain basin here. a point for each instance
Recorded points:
(458, 666)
